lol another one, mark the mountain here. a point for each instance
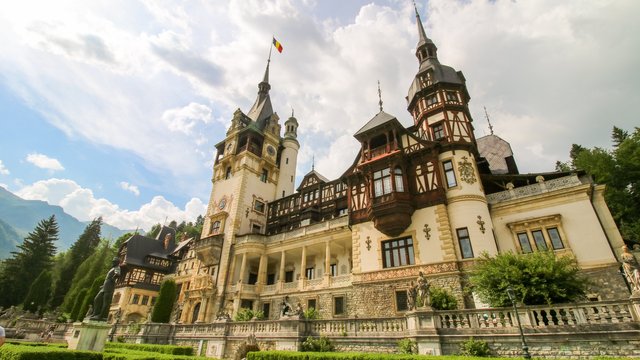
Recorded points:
(18, 217)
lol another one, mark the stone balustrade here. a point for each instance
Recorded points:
(534, 189)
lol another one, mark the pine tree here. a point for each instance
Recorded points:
(95, 265)
(39, 292)
(164, 305)
(77, 305)
(80, 250)
(34, 255)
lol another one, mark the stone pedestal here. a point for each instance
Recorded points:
(421, 326)
(89, 335)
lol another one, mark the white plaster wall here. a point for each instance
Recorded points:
(583, 232)
(287, 171)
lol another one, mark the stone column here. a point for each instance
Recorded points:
(203, 310)
(262, 273)
(281, 275)
(327, 263)
(243, 268)
(186, 309)
(303, 269)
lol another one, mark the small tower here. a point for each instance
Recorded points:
(438, 101)
(288, 158)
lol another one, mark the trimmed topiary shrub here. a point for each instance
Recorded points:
(164, 305)
(163, 349)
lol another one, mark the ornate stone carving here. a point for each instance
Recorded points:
(368, 242)
(467, 173)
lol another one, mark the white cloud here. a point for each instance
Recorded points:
(81, 203)
(3, 169)
(185, 119)
(129, 187)
(44, 162)
(548, 72)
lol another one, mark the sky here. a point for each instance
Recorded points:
(112, 108)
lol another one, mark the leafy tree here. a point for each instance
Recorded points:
(91, 294)
(94, 266)
(441, 299)
(39, 292)
(164, 305)
(155, 230)
(537, 278)
(119, 241)
(80, 250)
(35, 255)
(619, 169)
(77, 305)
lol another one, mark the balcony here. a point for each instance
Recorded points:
(392, 212)
(208, 249)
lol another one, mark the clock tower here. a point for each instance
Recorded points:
(253, 166)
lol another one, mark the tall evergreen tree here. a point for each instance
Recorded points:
(95, 265)
(34, 255)
(79, 251)
(164, 305)
(39, 292)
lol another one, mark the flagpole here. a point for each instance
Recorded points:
(270, 47)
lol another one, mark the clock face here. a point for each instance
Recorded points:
(222, 203)
(271, 150)
(229, 146)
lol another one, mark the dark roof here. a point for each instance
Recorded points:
(380, 119)
(441, 74)
(139, 247)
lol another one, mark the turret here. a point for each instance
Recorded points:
(288, 158)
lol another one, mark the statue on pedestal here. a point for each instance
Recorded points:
(423, 293)
(631, 270)
(102, 301)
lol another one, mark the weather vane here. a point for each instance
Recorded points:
(379, 95)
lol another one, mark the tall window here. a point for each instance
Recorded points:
(449, 173)
(227, 175)
(397, 172)
(215, 227)
(398, 252)
(338, 305)
(525, 245)
(438, 131)
(465, 243)
(401, 300)
(310, 273)
(556, 240)
(538, 238)
(382, 182)
(333, 269)
(264, 176)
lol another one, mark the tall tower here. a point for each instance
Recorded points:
(253, 166)
(438, 101)
(288, 158)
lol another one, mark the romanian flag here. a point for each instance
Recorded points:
(277, 44)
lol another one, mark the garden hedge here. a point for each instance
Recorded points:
(26, 352)
(163, 349)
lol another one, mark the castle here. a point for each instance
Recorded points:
(426, 198)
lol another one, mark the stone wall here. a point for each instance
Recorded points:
(607, 282)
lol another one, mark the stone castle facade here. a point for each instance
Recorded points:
(426, 198)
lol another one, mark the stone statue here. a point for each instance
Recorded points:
(286, 307)
(89, 311)
(423, 294)
(631, 270)
(411, 297)
(102, 301)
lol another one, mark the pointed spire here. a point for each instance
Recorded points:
(261, 109)
(488, 120)
(423, 35)
(313, 162)
(379, 96)
(425, 49)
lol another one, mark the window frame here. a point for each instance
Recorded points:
(343, 310)
(393, 250)
(466, 239)
(438, 129)
(543, 226)
(447, 172)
